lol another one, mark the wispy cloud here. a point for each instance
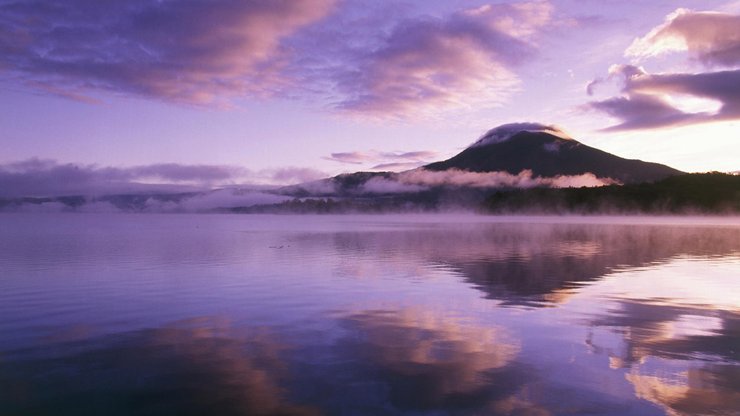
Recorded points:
(712, 38)
(385, 160)
(183, 51)
(524, 179)
(418, 180)
(38, 177)
(655, 100)
(352, 56)
(424, 65)
(292, 175)
(354, 158)
(397, 166)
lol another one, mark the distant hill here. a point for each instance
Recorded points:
(547, 152)
(696, 193)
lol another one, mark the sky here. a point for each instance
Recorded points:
(274, 92)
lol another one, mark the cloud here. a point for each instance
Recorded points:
(712, 38)
(378, 185)
(143, 201)
(355, 57)
(292, 175)
(220, 198)
(355, 158)
(181, 173)
(385, 160)
(524, 179)
(420, 179)
(675, 99)
(185, 51)
(40, 177)
(505, 132)
(425, 65)
(397, 166)
(645, 98)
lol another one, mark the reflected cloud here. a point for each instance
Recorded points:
(424, 361)
(671, 331)
(682, 358)
(709, 390)
(200, 366)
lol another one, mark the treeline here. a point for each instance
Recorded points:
(705, 193)
(338, 206)
(129, 203)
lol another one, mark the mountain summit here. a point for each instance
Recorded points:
(505, 132)
(547, 151)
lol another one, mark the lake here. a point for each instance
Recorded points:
(368, 315)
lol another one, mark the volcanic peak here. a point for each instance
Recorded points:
(505, 132)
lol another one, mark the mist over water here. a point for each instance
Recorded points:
(311, 315)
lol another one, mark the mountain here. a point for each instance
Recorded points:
(547, 152)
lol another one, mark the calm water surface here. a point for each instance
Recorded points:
(368, 315)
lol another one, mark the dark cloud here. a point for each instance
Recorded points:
(643, 106)
(639, 111)
(723, 86)
(188, 51)
(38, 177)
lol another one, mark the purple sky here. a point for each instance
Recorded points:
(226, 91)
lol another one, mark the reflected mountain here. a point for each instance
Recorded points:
(535, 264)
(197, 367)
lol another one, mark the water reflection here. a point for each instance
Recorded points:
(538, 264)
(196, 367)
(391, 318)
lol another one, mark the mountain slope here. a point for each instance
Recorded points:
(547, 152)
